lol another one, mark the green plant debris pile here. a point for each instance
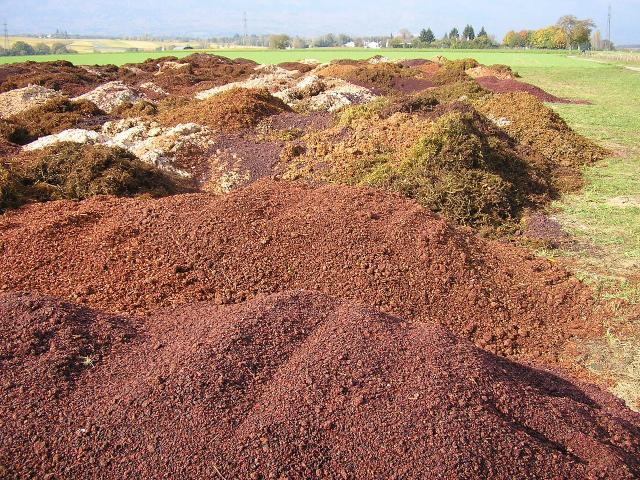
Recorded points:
(539, 129)
(55, 116)
(72, 171)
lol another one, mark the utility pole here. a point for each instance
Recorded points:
(246, 34)
(6, 36)
(609, 29)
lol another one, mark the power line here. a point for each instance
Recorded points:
(246, 34)
(609, 29)
(6, 36)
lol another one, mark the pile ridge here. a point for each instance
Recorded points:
(295, 385)
(134, 255)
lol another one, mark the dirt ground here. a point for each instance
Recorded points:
(378, 248)
(290, 385)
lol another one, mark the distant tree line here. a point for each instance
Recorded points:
(23, 48)
(452, 39)
(568, 33)
(404, 39)
(322, 41)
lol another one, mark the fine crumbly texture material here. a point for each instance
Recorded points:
(294, 385)
(135, 255)
(506, 85)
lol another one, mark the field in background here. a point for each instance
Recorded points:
(516, 58)
(99, 45)
(627, 58)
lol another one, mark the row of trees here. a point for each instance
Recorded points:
(404, 39)
(451, 39)
(569, 32)
(23, 48)
(322, 41)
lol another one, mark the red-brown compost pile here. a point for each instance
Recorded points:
(295, 385)
(134, 255)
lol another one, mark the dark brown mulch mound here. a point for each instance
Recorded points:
(300, 67)
(381, 78)
(12, 133)
(414, 104)
(411, 85)
(385, 78)
(356, 243)
(453, 71)
(347, 61)
(151, 65)
(234, 109)
(59, 75)
(496, 85)
(243, 61)
(416, 62)
(541, 131)
(8, 148)
(295, 385)
(74, 171)
(190, 74)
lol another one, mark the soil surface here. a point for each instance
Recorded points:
(548, 232)
(309, 122)
(497, 85)
(257, 158)
(134, 255)
(294, 385)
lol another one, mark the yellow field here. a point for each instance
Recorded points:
(94, 45)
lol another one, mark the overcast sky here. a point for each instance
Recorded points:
(357, 17)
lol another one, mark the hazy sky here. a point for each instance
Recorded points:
(212, 17)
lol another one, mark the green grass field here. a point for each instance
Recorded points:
(605, 215)
(516, 58)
